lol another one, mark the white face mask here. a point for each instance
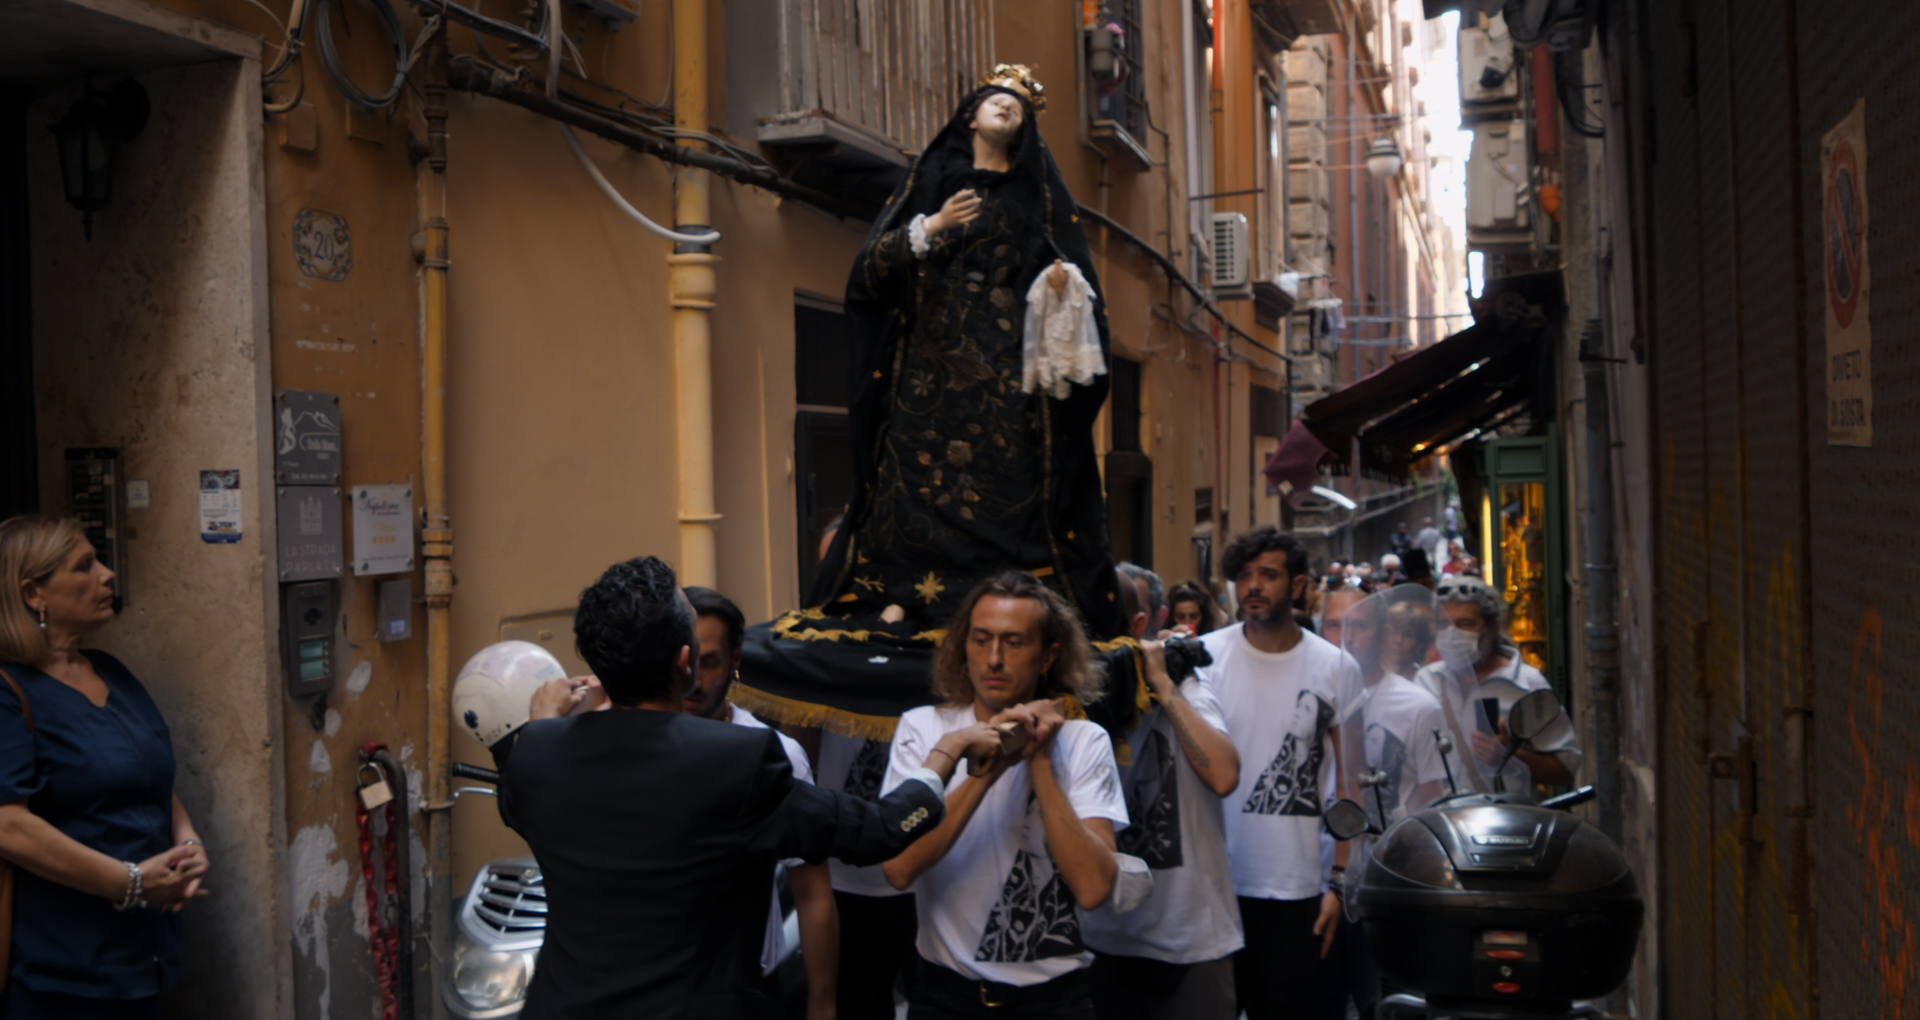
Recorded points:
(1458, 648)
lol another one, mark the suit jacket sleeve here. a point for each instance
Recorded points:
(794, 819)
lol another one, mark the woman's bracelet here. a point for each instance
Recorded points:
(135, 886)
(941, 750)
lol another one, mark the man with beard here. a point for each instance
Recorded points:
(721, 627)
(1027, 843)
(1479, 669)
(1283, 692)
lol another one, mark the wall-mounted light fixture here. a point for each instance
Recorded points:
(1383, 158)
(89, 138)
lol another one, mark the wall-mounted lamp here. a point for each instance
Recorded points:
(90, 137)
(1383, 158)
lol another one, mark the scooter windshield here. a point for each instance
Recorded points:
(1406, 746)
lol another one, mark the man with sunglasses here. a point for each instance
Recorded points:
(1480, 669)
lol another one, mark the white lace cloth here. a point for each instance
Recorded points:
(1062, 340)
(917, 236)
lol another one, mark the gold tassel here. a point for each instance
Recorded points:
(772, 708)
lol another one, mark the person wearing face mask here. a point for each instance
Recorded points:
(1478, 666)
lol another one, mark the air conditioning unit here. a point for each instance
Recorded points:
(1232, 276)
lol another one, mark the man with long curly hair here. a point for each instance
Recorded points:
(1028, 841)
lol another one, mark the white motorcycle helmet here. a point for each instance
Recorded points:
(495, 688)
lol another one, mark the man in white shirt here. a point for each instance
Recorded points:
(1395, 739)
(1479, 667)
(1284, 693)
(720, 628)
(1028, 840)
(1172, 957)
(877, 921)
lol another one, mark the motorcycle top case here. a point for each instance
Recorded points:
(1478, 900)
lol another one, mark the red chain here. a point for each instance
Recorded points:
(386, 940)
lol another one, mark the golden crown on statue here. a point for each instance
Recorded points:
(1019, 79)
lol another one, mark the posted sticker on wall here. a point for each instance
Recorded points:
(1849, 278)
(219, 507)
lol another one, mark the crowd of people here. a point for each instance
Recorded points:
(1001, 856)
(1179, 869)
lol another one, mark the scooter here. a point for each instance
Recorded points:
(1486, 907)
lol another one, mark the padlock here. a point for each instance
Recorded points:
(375, 795)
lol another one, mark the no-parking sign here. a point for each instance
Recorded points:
(1849, 277)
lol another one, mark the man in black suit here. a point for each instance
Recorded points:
(655, 830)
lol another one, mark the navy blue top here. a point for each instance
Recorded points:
(103, 776)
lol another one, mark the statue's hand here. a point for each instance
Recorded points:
(1057, 277)
(963, 208)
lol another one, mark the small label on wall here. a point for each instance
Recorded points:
(220, 507)
(382, 529)
(139, 495)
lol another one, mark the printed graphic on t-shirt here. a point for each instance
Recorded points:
(1291, 784)
(869, 768)
(1388, 753)
(1153, 805)
(1035, 918)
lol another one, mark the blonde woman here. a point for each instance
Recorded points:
(103, 854)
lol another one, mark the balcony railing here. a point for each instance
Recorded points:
(880, 76)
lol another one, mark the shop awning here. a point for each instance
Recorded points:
(1472, 380)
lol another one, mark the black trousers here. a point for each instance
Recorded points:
(1278, 973)
(942, 994)
(876, 950)
(1348, 972)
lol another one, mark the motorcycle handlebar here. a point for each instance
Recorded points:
(465, 771)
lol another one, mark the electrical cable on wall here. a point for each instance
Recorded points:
(555, 39)
(330, 56)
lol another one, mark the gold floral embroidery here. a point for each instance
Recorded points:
(930, 588)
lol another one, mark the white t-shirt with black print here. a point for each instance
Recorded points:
(774, 944)
(1175, 825)
(994, 908)
(1398, 720)
(1280, 709)
(1509, 684)
(857, 768)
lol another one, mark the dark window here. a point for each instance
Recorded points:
(1124, 411)
(1130, 507)
(1265, 406)
(819, 356)
(822, 454)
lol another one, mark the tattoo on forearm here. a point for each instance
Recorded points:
(1187, 743)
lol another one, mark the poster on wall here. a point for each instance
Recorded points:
(1849, 281)
(220, 507)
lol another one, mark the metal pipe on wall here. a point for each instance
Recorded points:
(1603, 636)
(436, 534)
(691, 287)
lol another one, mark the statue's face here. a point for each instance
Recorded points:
(998, 119)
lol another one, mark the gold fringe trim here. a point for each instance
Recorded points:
(785, 627)
(772, 708)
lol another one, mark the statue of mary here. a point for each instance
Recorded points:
(979, 352)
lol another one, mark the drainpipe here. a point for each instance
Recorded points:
(691, 286)
(1603, 638)
(436, 534)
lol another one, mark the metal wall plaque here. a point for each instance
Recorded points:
(308, 520)
(306, 438)
(382, 529)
